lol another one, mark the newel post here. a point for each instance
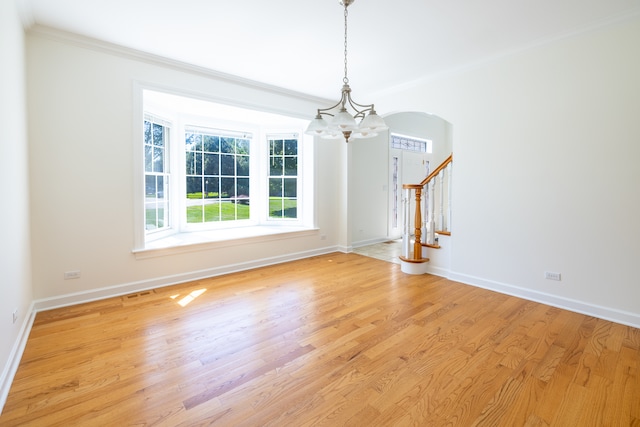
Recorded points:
(417, 244)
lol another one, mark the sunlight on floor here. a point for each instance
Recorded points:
(387, 251)
(186, 300)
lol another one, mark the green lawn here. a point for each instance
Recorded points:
(277, 210)
(226, 211)
(223, 211)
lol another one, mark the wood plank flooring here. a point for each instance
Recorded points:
(338, 339)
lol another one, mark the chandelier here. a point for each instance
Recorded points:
(343, 123)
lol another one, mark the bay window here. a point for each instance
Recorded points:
(215, 172)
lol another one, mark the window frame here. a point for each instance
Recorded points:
(260, 226)
(269, 137)
(170, 217)
(187, 121)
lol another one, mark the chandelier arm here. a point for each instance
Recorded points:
(360, 112)
(341, 103)
(365, 106)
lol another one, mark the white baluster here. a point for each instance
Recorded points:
(406, 226)
(431, 235)
(449, 173)
(441, 210)
(425, 217)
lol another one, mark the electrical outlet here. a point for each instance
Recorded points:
(75, 274)
(550, 275)
(15, 315)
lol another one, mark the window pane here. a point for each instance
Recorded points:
(291, 147)
(210, 164)
(148, 158)
(275, 187)
(211, 143)
(276, 166)
(227, 145)
(243, 188)
(150, 186)
(290, 187)
(147, 132)
(158, 159)
(290, 208)
(190, 163)
(228, 187)
(276, 147)
(194, 187)
(151, 217)
(195, 213)
(291, 166)
(242, 209)
(212, 212)
(242, 146)
(160, 187)
(193, 141)
(197, 163)
(211, 187)
(242, 165)
(158, 135)
(156, 215)
(227, 165)
(193, 163)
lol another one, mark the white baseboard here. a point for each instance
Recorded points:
(143, 285)
(606, 313)
(437, 271)
(15, 356)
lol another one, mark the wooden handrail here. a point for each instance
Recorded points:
(417, 245)
(437, 170)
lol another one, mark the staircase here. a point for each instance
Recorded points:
(433, 196)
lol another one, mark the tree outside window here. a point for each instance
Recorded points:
(283, 178)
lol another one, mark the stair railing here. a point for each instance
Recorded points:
(438, 217)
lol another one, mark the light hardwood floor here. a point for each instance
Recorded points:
(338, 339)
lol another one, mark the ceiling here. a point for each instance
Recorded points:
(298, 44)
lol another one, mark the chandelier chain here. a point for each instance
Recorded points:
(346, 13)
(344, 122)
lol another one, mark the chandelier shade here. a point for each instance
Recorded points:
(373, 122)
(317, 126)
(343, 122)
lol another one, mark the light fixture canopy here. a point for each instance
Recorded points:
(343, 122)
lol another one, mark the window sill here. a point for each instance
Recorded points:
(205, 240)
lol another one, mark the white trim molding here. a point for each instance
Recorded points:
(605, 313)
(10, 369)
(158, 282)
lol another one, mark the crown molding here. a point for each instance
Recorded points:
(134, 54)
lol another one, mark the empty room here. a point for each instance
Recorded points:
(293, 213)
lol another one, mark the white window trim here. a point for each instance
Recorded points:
(263, 230)
(186, 121)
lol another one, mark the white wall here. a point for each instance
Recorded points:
(15, 263)
(81, 135)
(546, 148)
(368, 184)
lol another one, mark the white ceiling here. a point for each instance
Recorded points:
(298, 44)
